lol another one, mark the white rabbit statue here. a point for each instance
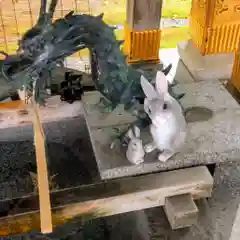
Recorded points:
(135, 151)
(168, 127)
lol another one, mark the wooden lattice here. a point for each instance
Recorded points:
(16, 16)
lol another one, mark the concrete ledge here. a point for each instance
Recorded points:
(209, 67)
(211, 141)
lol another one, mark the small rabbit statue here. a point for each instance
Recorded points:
(168, 127)
(135, 151)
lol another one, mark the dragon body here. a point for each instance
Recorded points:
(46, 45)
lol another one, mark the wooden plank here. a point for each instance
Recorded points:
(42, 172)
(16, 113)
(147, 14)
(41, 159)
(181, 211)
(107, 198)
(12, 105)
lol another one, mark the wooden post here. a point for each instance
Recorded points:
(215, 32)
(144, 14)
(142, 30)
(41, 159)
(42, 172)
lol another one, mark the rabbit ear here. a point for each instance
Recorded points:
(136, 132)
(130, 134)
(148, 88)
(161, 83)
(146, 106)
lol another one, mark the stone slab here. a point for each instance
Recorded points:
(97, 118)
(182, 74)
(208, 67)
(181, 211)
(212, 141)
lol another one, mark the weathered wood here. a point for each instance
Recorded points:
(181, 211)
(42, 171)
(144, 14)
(12, 105)
(129, 13)
(107, 198)
(16, 113)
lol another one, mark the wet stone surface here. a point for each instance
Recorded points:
(70, 157)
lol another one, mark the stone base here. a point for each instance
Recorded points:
(209, 67)
(210, 141)
(181, 211)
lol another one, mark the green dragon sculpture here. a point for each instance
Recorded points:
(46, 45)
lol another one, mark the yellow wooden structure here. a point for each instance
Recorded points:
(235, 78)
(215, 25)
(142, 45)
(142, 30)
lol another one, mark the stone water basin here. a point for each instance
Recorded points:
(70, 157)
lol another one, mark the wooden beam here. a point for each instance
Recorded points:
(12, 105)
(181, 211)
(106, 198)
(144, 14)
(130, 13)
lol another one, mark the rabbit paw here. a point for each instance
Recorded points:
(149, 147)
(165, 155)
(139, 161)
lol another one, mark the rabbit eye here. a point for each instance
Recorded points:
(164, 106)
